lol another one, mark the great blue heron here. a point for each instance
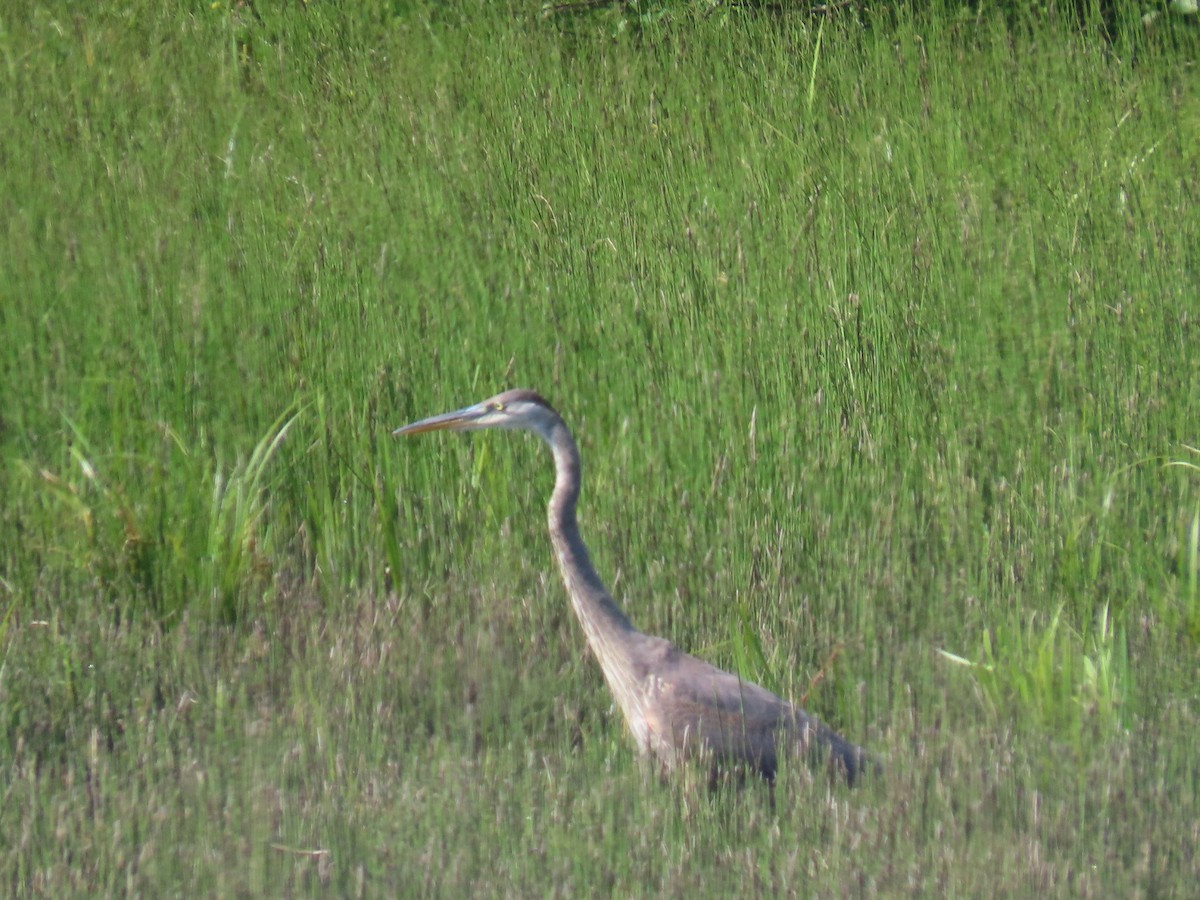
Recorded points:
(676, 705)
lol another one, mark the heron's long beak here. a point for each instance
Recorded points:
(453, 421)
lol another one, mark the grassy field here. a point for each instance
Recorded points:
(880, 344)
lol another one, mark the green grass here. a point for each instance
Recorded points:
(878, 340)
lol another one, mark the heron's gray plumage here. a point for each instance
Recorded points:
(676, 706)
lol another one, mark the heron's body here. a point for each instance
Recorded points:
(676, 706)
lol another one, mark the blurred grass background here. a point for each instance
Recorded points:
(877, 337)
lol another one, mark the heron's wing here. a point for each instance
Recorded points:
(692, 704)
(692, 682)
(735, 718)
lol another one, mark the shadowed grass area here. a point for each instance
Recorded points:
(880, 361)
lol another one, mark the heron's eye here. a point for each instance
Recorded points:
(498, 406)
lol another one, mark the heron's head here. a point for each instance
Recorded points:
(512, 409)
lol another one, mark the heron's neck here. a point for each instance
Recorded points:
(607, 627)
